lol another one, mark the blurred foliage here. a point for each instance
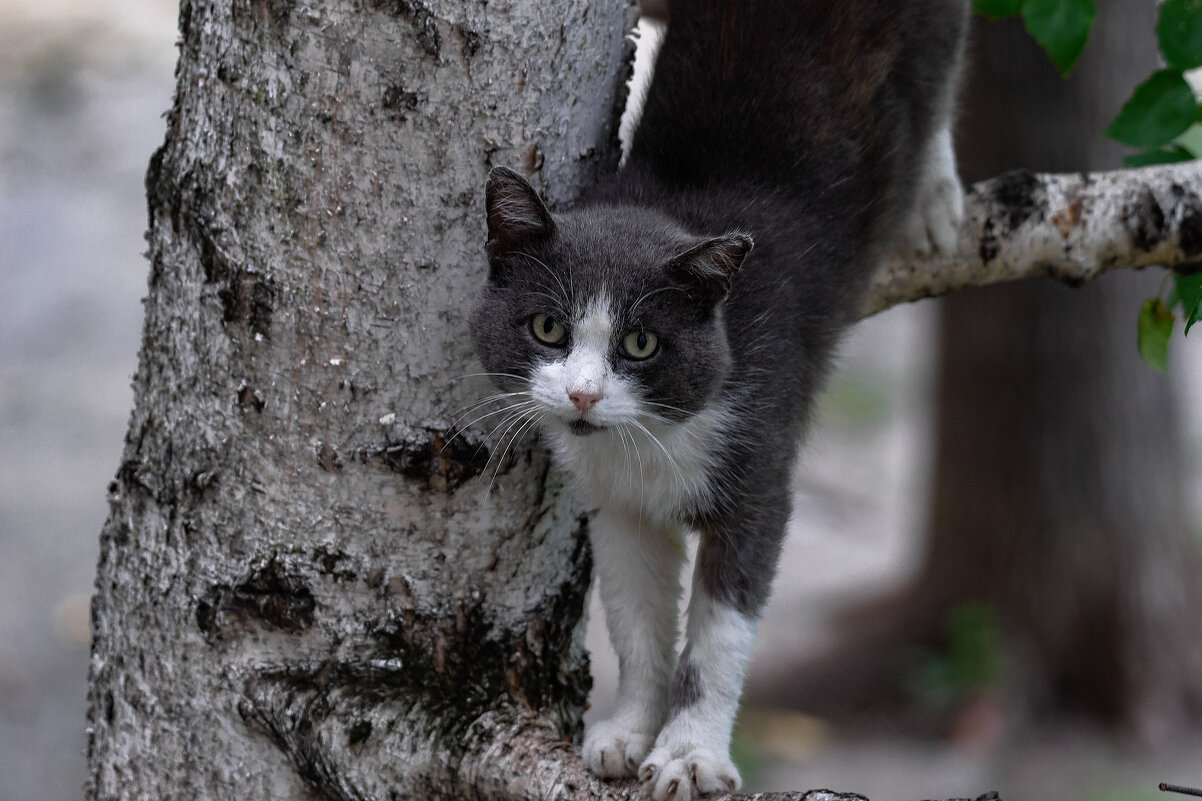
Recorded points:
(746, 755)
(1126, 794)
(970, 660)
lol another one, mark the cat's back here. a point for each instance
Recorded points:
(795, 93)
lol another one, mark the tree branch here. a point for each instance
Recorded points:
(525, 764)
(1071, 227)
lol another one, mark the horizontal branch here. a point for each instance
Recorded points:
(1070, 227)
(524, 764)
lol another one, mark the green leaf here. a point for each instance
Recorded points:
(997, 9)
(1164, 155)
(1161, 108)
(1180, 32)
(1061, 27)
(1155, 328)
(1187, 291)
(1191, 140)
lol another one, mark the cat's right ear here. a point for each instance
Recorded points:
(709, 266)
(517, 217)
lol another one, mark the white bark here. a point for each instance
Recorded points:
(1069, 227)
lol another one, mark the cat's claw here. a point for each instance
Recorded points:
(612, 751)
(682, 778)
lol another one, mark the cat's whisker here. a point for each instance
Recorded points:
(669, 407)
(553, 274)
(509, 422)
(483, 375)
(516, 412)
(667, 454)
(624, 435)
(534, 417)
(653, 293)
(659, 418)
(484, 416)
(554, 304)
(464, 411)
(521, 411)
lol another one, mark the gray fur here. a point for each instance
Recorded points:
(687, 689)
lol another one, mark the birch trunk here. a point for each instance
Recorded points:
(300, 594)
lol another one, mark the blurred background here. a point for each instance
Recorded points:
(990, 581)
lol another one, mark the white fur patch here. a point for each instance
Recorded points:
(585, 368)
(692, 753)
(638, 569)
(935, 219)
(659, 470)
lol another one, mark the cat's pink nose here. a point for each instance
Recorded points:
(584, 400)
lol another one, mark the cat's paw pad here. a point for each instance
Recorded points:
(682, 778)
(934, 224)
(612, 751)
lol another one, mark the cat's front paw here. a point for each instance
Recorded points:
(670, 774)
(613, 751)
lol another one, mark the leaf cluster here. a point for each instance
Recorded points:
(1164, 106)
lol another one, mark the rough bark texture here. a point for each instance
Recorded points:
(1070, 227)
(301, 594)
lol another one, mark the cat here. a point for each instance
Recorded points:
(668, 334)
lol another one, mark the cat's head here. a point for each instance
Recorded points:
(603, 316)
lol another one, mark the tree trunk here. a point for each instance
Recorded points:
(1058, 486)
(300, 593)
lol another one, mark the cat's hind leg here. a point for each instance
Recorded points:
(934, 221)
(638, 569)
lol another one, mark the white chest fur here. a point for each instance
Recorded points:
(657, 470)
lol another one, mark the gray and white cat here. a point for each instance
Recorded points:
(670, 366)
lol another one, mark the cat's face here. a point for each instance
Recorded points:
(601, 318)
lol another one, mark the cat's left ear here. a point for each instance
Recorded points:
(517, 217)
(710, 265)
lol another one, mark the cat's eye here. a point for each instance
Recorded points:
(639, 345)
(548, 330)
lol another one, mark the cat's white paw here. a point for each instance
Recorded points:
(613, 751)
(669, 775)
(934, 223)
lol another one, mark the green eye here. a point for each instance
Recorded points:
(548, 330)
(639, 344)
